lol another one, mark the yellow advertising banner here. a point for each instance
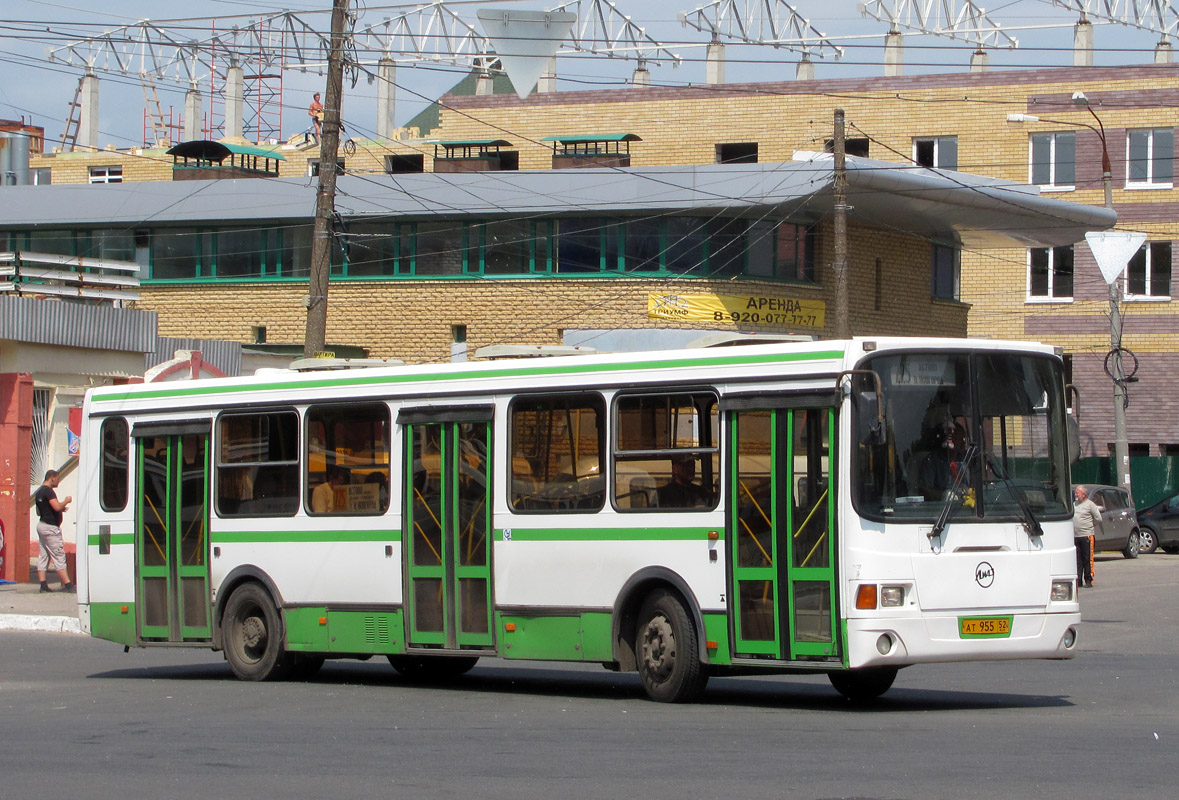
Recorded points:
(790, 312)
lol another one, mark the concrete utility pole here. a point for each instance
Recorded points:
(325, 199)
(1121, 444)
(842, 323)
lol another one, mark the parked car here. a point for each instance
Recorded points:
(1119, 522)
(1159, 526)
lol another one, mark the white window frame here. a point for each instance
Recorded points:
(313, 167)
(1150, 182)
(1050, 297)
(1052, 185)
(107, 174)
(1150, 271)
(937, 150)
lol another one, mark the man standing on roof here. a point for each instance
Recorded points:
(315, 111)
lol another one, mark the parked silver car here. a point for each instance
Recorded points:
(1119, 521)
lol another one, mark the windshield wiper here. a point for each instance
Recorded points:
(1030, 523)
(952, 496)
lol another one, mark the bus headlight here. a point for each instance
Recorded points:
(1062, 590)
(892, 596)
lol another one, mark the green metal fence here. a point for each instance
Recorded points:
(1153, 477)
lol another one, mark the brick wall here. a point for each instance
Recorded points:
(412, 320)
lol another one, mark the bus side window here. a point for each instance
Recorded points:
(347, 459)
(561, 438)
(113, 474)
(258, 464)
(665, 451)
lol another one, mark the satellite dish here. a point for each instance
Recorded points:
(524, 41)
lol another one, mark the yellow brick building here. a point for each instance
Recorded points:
(1053, 296)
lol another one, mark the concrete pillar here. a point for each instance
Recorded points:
(894, 54)
(1083, 44)
(484, 85)
(192, 115)
(980, 61)
(16, 443)
(386, 95)
(548, 79)
(805, 71)
(88, 126)
(642, 75)
(714, 63)
(234, 101)
(1163, 53)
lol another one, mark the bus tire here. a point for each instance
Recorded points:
(860, 685)
(665, 648)
(252, 635)
(432, 668)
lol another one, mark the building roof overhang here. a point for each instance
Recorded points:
(947, 207)
(208, 150)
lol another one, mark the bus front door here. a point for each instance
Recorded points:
(781, 535)
(171, 537)
(448, 536)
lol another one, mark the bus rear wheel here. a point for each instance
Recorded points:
(863, 684)
(432, 668)
(666, 648)
(252, 635)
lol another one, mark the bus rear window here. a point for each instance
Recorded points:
(258, 464)
(112, 476)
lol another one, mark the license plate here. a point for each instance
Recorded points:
(982, 627)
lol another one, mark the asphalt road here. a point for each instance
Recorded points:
(80, 719)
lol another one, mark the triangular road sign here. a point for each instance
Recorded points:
(1113, 250)
(524, 41)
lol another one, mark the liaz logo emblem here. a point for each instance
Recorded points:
(984, 574)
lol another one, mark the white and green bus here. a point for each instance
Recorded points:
(839, 507)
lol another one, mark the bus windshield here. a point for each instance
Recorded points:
(974, 437)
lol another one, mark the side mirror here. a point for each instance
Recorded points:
(1072, 435)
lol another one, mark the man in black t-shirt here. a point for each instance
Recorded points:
(50, 511)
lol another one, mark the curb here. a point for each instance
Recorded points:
(29, 622)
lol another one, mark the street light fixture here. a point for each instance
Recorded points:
(1114, 361)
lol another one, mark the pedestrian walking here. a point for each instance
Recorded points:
(50, 511)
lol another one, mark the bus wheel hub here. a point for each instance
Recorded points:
(253, 632)
(659, 648)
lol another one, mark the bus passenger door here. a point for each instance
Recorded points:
(781, 534)
(171, 535)
(448, 535)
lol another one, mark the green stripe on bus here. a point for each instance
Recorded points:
(116, 538)
(504, 372)
(606, 534)
(271, 537)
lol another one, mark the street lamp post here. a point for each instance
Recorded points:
(1114, 362)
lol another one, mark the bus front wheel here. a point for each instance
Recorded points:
(863, 684)
(666, 647)
(252, 636)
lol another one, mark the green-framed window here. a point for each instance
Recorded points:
(687, 246)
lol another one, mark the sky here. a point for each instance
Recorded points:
(40, 91)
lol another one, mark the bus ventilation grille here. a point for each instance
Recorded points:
(376, 630)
